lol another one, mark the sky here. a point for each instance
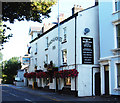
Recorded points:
(17, 45)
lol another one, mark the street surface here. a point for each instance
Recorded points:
(13, 94)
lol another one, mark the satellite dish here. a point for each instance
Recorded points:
(86, 30)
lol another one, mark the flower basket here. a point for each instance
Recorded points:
(66, 73)
(30, 75)
(42, 75)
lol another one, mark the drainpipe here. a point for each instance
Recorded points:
(75, 49)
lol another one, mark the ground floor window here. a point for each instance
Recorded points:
(67, 81)
(118, 75)
(46, 81)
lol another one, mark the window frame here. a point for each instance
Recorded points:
(118, 76)
(65, 34)
(65, 83)
(116, 3)
(118, 36)
(63, 59)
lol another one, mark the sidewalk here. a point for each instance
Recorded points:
(63, 97)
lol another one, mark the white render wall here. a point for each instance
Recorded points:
(85, 19)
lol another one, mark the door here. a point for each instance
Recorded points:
(106, 68)
(57, 79)
(97, 84)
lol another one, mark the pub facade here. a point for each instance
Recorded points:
(78, 55)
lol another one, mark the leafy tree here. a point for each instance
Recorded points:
(30, 11)
(10, 69)
(34, 11)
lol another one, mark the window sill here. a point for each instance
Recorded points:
(116, 51)
(117, 89)
(46, 49)
(116, 12)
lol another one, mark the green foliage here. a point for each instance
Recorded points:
(34, 11)
(9, 69)
(3, 37)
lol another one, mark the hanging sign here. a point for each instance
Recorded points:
(87, 50)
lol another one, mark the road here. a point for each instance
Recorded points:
(14, 95)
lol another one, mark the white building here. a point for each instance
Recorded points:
(109, 20)
(19, 79)
(79, 49)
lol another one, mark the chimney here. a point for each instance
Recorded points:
(96, 2)
(76, 9)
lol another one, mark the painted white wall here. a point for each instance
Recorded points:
(85, 19)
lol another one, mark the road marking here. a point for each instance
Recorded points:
(13, 94)
(28, 100)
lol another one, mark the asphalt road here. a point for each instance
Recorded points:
(13, 95)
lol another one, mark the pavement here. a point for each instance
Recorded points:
(66, 98)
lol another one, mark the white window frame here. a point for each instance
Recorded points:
(64, 62)
(65, 34)
(117, 36)
(46, 58)
(46, 42)
(36, 45)
(117, 8)
(116, 80)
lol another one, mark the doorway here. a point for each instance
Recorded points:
(106, 70)
(97, 84)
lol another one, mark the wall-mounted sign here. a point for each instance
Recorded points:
(87, 50)
(54, 39)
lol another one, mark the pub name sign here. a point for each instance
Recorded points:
(87, 50)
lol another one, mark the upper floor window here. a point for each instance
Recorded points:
(46, 58)
(118, 35)
(117, 5)
(64, 56)
(47, 42)
(36, 48)
(118, 75)
(31, 37)
(65, 34)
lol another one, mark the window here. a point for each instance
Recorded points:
(46, 58)
(117, 5)
(36, 61)
(118, 75)
(65, 34)
(32, 37)
(36, 48)
(47, 42)
(118, 35)
(67, 81)
(64, 56)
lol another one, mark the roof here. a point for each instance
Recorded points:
(69, 18)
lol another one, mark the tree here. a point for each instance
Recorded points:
(30, 11)
(10, 69)
(34, 11)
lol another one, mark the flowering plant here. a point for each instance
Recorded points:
(30, 75)
(66, 73)
(42, 75)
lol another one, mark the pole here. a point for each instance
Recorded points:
(58, 44)
(75, 52)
